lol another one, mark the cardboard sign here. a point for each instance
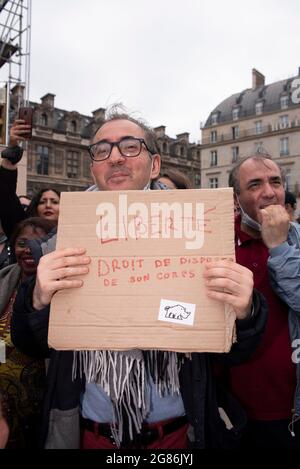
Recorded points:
(145, 288)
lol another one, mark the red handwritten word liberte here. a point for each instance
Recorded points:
(156, 220)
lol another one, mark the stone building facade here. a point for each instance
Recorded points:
(265, 117)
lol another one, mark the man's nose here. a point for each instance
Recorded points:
(115, 156)
(269, 191)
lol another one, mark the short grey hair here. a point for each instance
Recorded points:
(233, 180)
(119, 112)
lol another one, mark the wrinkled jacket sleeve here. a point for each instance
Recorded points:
(11, 210)
(249, 332)
(284, 270)
(29, 328)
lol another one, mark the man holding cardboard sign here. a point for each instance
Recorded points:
(129, 397)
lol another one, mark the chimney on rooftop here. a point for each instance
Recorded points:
(48, 99)
(99, 114)
(258, 79)
(160, 131)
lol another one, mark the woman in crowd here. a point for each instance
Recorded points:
(175, 179)
(21, 377)
(45, 204)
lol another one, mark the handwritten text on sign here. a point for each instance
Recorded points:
(162, 269)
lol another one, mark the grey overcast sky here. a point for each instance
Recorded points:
(170, 61)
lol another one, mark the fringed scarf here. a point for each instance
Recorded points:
(124, 376)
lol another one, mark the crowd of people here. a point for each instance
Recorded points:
(247, 398)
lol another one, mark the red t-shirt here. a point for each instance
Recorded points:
(265, 385)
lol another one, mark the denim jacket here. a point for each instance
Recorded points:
(284, 269)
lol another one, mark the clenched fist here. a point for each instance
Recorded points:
(275, 225)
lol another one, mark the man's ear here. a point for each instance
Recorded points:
(235, 198)
(236, 204)
(156, 163)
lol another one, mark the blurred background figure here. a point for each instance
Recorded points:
(4, 431)
(22, 378)
(44, 204)
(175, 179)
(5, 251)
(290, 204)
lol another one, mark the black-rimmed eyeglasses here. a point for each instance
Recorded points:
(129, 147)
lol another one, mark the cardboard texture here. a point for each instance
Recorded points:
(145, 287)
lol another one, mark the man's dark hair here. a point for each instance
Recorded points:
(118, 112)
(233, 180)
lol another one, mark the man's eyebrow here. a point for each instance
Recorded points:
(272, 178)
(251, 181)
(105, 140)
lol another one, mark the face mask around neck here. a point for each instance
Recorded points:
(247, 220)
(147, 187)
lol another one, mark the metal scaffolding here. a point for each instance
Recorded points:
(15, 43)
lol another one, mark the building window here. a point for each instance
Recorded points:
(214, 118)
(235, 154)
(284, 121)
(236, 113)
(259, 107)
(284, 102)
(235, 132)
(73, 127)
(42, 160)
(182, 152)
(213, 183)
(197, 180)
(258, 127)
(73, 164)
(86, 166)
(44, 120)
(288, 180)
(58, 161)
(165, 147)
(214, 158)
(213, 136)
(284, 146)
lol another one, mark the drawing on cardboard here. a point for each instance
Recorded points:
(177, 312)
